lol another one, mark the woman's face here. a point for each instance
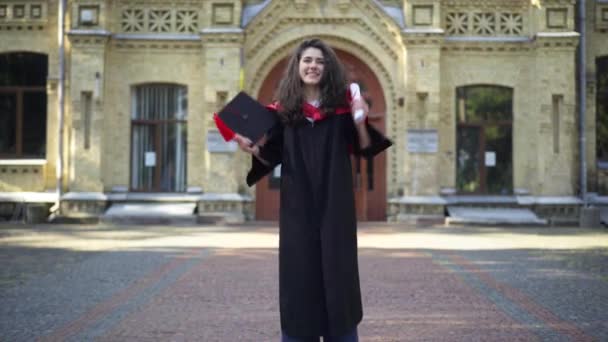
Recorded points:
(311, 67)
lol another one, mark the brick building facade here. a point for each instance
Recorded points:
(479, 96)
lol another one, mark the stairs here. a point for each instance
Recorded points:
(150, 213)
(492, 216)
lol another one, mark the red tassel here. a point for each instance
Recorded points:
(226, 132)
(274, 106)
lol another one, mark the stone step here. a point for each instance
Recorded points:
(150, 213)
(492, 216)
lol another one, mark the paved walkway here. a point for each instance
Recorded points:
(219, 283)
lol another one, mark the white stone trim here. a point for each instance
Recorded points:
(22, 162)
(476, 199)
(147, 36)
(433, 200)
(29, 197)
(212, 30)
(152, 197)
(557, 34)
(558, 200)
(520, 39)
(423, 31)
(84, 196)
(224, 197)
(77, 32)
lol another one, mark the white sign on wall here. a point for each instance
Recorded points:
(216, 143)
(150, 159)
(422, 140)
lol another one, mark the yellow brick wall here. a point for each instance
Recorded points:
(86, 74)
(422, 171)
(407, 68)
(597, 35)
(223, 171)
(361, 30)
(40, 36)
(133, 64)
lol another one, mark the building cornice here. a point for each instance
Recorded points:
(99, 33)
(423, 31)
(222, 35)
(158, 37)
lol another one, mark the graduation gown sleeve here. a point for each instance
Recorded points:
(271, 152)
(378, 142)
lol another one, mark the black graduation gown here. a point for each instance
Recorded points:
(318, 271)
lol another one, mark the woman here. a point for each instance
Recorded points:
(318, 271)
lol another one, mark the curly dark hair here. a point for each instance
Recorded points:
(290, 94)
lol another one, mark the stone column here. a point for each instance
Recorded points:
(224, 166)
(423, 119)
(85, 108)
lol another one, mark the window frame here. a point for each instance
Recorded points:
(19, 133)
(600, 94)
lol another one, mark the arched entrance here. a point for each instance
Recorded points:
(370, 178)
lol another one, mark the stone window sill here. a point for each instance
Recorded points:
(22, 162)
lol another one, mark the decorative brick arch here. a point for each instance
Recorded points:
(371, 191)
(260, 67)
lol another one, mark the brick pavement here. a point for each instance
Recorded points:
(215, 284)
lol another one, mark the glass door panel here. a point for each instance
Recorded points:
(34, 124)
(468, 177)
(8, 123)
(172, 162)
(159, 114)
(498, 151)
(143, 157)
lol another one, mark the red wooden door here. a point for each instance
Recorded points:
(369, 180)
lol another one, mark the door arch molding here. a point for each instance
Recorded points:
(370, 177)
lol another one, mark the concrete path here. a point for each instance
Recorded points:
(219, 283)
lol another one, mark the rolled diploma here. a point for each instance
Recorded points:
(355, 93)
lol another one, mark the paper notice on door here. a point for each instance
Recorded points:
(490, 158)
(277, 172)
(150, 159)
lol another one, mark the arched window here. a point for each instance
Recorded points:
(484, 139)
(23, 105)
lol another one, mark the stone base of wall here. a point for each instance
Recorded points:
(558, 214)
(211, 208)
(235, 208)
(560, 210)
(225, 208)
(26, 207)
(83, 205)
(415, 209)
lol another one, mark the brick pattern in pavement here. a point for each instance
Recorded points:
(203, 293)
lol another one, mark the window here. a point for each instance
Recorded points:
(602, 110)
(23, 105)
(484, 139)
(158, 138)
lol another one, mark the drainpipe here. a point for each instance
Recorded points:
(582, 93)
(60, 106)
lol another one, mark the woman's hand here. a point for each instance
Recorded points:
(246, 145)
(359, 105)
